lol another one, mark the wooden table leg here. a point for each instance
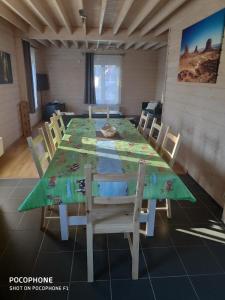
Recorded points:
(150, 224)
(64, 225)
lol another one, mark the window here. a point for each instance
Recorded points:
(107, 71)
(34, 77)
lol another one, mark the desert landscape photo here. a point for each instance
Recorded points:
(200, 50)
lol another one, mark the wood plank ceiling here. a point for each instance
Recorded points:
(92, 24)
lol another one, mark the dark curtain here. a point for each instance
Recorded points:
(89, 80)
(29, 77)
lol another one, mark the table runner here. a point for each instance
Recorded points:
(60, 183)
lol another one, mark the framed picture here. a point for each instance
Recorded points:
(5, 68)
(200, 50)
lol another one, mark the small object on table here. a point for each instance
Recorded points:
(108, 131)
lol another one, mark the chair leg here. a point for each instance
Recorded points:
(168, 212)
(135, 253)
(90, 252)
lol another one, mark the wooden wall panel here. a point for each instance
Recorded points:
(66, 72)
(197, 110)
(10, 128)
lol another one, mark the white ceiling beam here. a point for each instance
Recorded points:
(55, 43)
(102, 15)
(145, 11)
(97, 45)
(65, 43)
(160, 45)
(150, 45)
(44, 43)
(93, 35)
(39, 9)
(12, 18)
(167, 10)
(81, 6)
(76, 44)
(62, 12)
(139, 45)
(129, 45)
(86, 44)
(34, 43)
(119, 45)
(21, 10)
(122, 15)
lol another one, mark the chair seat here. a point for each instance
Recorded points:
(112, 219)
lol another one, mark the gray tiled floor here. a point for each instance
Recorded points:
(185, 259)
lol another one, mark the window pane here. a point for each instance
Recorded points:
(107, 79)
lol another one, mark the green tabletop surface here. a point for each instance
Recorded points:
(60, 183)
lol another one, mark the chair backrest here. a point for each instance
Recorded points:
(155, 133)
(53, 136)
(98, 108)
(143, 123)
(170, 146)
(40, 151)
(59, 124)
(135, 199)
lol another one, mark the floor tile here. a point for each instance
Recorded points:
(10, 205)
(161, 238)
(172, 288)
(31, 220)
(117, 241)
(121, 262)
(198, 260)
(10, 220)
(57, 265)
(219, 252)
(209, 287)
(179, 217)
(30, 182)
(6, 294)
(199, 216)
(129, 289)
(100, 241)
(101, 266)
(9, 182)
(52, 241)
(98, 290)
(184, 236)
(5, 193)
(21, 192)
(163, 262)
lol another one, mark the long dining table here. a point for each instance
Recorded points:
(63, 182)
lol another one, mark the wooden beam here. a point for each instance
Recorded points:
(44, 43)
(12, 18)
(21, 10)
(55, 43)
(129, 45)
(40, 10)
(139, 45)
(34, 43)
(150, 45)
(168, 9)
(86, 44)
(76, 44)
(161, 29)
(145, 11)
(102, 15)
(122, 15)
(65, 43)
(160, 45)
(81, 6)
(62, 12)
(93, 35)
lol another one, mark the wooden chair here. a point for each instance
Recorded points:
(53, 136)
(114, 214)
(59, 124)
(97, 108)
(155, 133)
(143, 123)
(168, 151)
(41, 156)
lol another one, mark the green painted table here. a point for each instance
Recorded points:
(81, 144)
